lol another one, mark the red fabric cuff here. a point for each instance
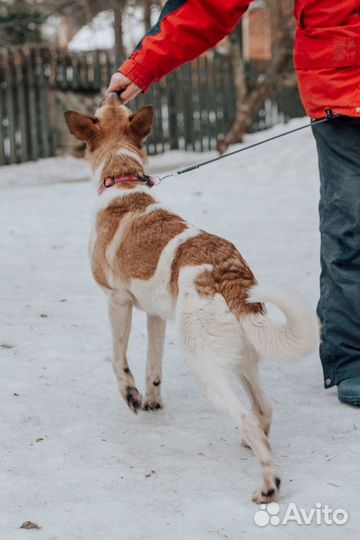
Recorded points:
(136, 73)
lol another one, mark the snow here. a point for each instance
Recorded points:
(99, 34)
(74, 459)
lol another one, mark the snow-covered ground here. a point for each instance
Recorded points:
(73, 458)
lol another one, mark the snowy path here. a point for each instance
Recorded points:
(100, 472)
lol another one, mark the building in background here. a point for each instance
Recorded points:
(256, 34)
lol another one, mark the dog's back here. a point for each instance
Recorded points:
(142, 247)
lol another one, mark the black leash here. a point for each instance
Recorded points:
(329, 116)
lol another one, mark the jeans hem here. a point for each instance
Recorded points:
(335, 377)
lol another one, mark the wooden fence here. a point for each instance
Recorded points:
(192, 105)
(24, 123)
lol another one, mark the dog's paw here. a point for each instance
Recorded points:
(133, 398)
(269, 494)
(151, 404)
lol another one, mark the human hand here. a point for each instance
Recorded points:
(124, 87)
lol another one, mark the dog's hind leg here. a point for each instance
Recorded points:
(214, 347)
(120, 318)
(220, 387)
(260, 403)
(156, 336)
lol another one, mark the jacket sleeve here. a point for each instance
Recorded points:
(185, 29)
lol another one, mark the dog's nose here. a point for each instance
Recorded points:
(112, 98)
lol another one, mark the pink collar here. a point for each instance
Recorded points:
(110, 181)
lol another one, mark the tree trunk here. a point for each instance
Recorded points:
(147, 15)
(241, 90)
(68, 27)
(249, 102)
(118, 9)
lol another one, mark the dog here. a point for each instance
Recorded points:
(146, 256)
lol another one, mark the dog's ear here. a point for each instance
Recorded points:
(83, 127)
(141, 122)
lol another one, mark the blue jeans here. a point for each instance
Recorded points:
(338, 144)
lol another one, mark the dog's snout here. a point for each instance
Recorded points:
(111, 99)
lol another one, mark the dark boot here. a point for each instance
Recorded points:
(349, 391)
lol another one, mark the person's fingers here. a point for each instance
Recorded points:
(118, 82)
(123, 86)
(130, 93)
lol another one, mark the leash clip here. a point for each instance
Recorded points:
(148, 180)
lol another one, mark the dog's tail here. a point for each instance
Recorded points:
(297, 337)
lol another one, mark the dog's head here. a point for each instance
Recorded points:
(113, 132)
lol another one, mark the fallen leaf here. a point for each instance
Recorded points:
(29, 525)
(7, 346)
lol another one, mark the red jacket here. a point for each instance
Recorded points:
(327, 47)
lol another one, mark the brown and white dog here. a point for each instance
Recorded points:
(146, 256)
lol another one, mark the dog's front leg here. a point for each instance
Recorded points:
(120, 318)
(156, 336)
